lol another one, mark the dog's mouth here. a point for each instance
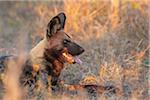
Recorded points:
(67, 57)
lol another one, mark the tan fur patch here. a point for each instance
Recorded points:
(37, 52)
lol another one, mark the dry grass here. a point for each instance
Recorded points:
(11, 80)
(114, 35)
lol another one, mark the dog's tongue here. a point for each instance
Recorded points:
(77, 60)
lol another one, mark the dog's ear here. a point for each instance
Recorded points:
(56, 23)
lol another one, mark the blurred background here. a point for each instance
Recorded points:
(114, 34)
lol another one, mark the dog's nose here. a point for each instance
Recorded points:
(82, 50)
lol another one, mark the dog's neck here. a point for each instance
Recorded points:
(37, 53)
(40, 55)
(54, 65)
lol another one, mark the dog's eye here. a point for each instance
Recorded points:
(66, 41)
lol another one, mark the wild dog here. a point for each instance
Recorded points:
(47, 58)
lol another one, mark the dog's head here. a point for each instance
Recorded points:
(59, 44)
